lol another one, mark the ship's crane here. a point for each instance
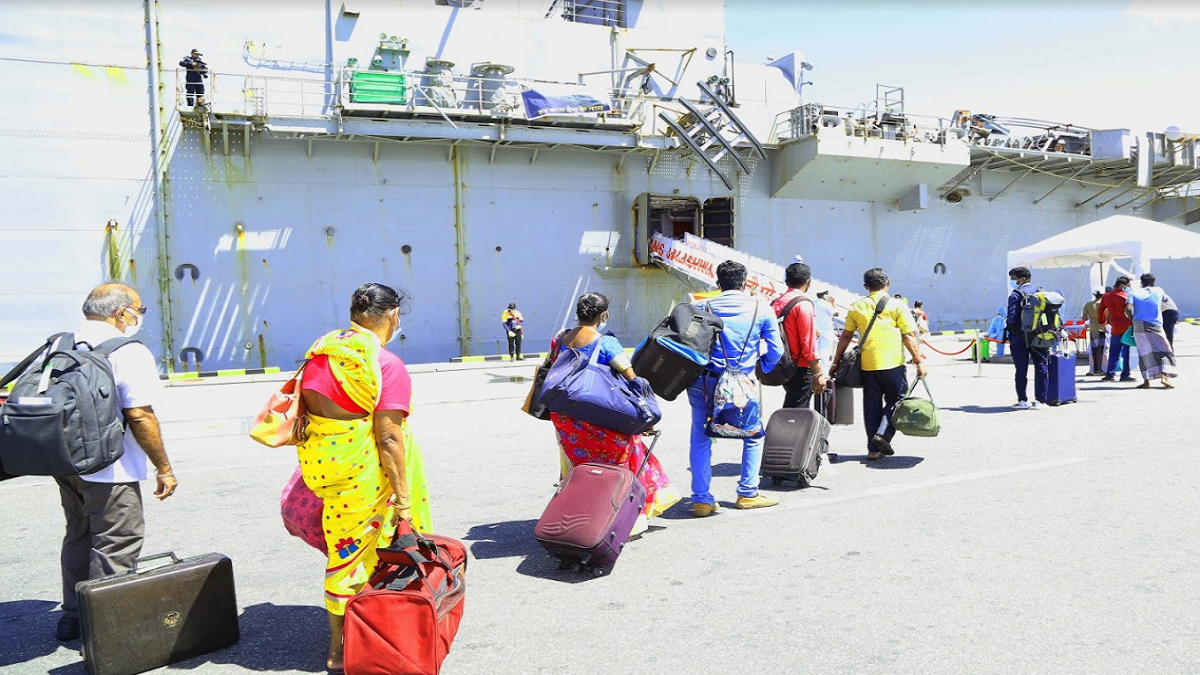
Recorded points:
(996, 131)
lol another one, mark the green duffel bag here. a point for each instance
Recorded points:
(917, 416)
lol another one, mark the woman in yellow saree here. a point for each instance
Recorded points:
(358, 455)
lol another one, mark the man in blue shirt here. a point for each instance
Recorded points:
(749, 327)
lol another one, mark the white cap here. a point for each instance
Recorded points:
(798, 258)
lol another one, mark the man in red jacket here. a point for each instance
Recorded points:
(800, 327)
(1112, 312)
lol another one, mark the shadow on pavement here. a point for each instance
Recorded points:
(514, 538)
(727, 469)
(507, 379)
(981, 410)
(27, 630)
(893, 462)
(503, 540)
(274, 638)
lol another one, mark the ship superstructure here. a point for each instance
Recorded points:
(479, 153)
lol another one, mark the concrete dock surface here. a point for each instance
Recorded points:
(1061, 540)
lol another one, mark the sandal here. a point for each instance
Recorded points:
(1144, 385)
(1167, 384)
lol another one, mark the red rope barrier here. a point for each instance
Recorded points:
(969, 345)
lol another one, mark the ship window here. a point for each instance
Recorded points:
(717, 220)
(595, 12)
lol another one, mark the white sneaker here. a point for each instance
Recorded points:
(1037, 405)
(1022, 405)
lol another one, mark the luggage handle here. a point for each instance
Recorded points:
(657, 435)
(157, 556)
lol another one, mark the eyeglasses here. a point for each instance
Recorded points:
(140, 310)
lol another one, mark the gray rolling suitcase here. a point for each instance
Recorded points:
(796, 439)
(146, 619)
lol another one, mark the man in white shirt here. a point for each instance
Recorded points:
(104, 509)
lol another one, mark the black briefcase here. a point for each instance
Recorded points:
(146, 619)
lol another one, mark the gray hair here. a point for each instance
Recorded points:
(106, 300)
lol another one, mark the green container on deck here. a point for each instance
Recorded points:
(374, 87)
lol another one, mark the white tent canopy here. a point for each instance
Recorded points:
(1107, 240)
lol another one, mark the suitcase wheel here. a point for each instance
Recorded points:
(597, 571)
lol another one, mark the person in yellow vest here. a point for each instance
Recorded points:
(513, 328)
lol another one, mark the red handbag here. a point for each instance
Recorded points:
(404, 620)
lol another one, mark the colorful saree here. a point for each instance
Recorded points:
(582, 442)
(341, 465)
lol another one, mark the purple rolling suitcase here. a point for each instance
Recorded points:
(588, 521)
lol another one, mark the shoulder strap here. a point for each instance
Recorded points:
(107, 347)
(28, 360)
(878, 310)
(753, 323)
(791, 305)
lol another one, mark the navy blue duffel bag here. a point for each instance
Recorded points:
(579, 387)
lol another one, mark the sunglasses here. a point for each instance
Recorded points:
(140, 310)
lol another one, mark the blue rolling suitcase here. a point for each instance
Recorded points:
(1062, 378)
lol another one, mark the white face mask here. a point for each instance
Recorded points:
(132, 329)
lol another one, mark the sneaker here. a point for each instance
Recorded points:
(68, 629)
(755, 502)
(1037, 405)
(1129, 378)
(1108, 378)
(702, 510)
(1021, 405)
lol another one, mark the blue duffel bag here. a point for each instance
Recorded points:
(580, 388)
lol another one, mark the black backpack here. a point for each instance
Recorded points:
(787, 368)
(63, 418)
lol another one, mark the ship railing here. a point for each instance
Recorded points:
(258, 95)
(862, 122)
(450, 96)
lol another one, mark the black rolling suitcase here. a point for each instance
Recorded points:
(146, 619)
(796, 439)
(675, 353)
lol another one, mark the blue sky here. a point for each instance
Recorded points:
(1095, 63)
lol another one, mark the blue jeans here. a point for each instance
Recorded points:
(701, 448)
(1117, 350)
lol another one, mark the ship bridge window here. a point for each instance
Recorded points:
(595, 12)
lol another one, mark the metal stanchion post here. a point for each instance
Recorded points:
(978, 358)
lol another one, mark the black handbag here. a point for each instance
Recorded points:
(849, 370)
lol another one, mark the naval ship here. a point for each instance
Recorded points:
(476, 153)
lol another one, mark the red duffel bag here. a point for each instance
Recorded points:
(403, 621)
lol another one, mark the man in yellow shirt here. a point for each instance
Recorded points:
(884, 378)
(514, 328)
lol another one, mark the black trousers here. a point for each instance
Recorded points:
(1022, 355)
(798, 391)
(1170, 318)
(514, 343)
(195, 90)
(882, 390)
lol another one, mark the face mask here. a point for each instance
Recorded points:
(1013, 284)
(395, 333)
(132, 329)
